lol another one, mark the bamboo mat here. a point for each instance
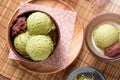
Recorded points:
(86, 9)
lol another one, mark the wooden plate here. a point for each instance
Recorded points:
(76, 41)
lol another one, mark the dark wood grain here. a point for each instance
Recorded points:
(3, 77)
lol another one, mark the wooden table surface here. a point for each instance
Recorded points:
(87, 10)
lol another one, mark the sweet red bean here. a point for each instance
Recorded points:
(19, 27)
(113, 50)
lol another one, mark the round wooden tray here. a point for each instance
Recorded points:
(77, 39)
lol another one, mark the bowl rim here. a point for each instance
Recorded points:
(10, 43)
(87, 44)
(86, 69)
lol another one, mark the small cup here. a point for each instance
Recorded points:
(87, 72)
(100, 19)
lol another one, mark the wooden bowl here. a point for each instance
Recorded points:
(26, 14)
(98, 20)
(75, 47)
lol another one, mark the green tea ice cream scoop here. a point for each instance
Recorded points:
(39, 23)
(20, 43)
(106, 35)
(39, 47)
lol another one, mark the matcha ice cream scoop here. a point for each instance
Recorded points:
(105, 35)
(20, 43)
(39, 23)
(39, 47)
